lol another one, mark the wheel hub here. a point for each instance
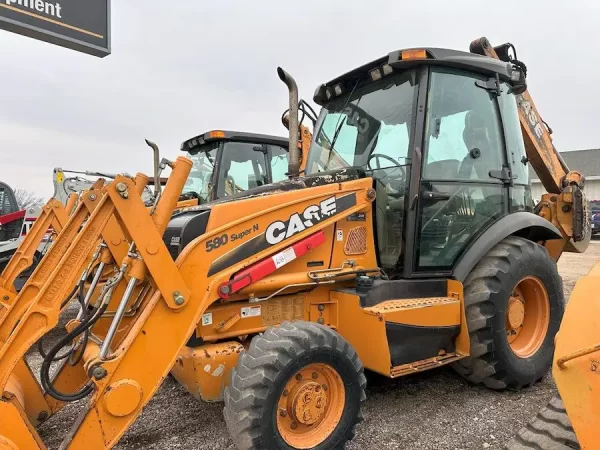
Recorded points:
(310, 406)
(516, 313)
(309, 403)
(527, 316)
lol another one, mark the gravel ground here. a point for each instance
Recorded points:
(432, 410)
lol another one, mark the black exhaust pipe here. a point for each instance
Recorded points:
(294, 154)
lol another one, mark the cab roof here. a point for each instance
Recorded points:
(232, 136)
(434, 56)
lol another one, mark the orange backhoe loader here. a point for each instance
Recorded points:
(411, 242)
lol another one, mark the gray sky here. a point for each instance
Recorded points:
(180, 68)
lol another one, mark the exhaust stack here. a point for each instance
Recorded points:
(157, 170)
(294, 155)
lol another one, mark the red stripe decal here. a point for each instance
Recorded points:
(267, 266)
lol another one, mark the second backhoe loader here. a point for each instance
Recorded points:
(410, 243)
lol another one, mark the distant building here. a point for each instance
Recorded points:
(584, 161)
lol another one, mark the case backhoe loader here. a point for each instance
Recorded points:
(410, 243)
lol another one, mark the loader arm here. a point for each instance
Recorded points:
(565, 204)
(53, 216)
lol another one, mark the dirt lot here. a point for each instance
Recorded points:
(435, 410)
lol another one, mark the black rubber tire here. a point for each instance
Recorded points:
(549, 430)
(487, 290)
(262, 372)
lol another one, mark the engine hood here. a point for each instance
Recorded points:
(190, 223)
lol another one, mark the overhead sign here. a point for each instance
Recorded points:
(82, 25)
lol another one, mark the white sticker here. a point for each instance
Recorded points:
(281, 259)
(340, 235)
(206, 319)
(251, 311)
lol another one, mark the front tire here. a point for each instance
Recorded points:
(298, 386)
(514, 303)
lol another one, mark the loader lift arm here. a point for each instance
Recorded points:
(565, 204)
(42, 313)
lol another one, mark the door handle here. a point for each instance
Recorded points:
(435, 196)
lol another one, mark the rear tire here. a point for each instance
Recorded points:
(287, 371)
(490, 290)
(549, 430)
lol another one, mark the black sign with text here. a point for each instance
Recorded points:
(82, 25)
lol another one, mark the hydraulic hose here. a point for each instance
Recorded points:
(40, 344)
(87, 322)
(85, 325)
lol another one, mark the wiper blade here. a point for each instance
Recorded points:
(337, 133)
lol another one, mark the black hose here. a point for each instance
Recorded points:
(40, 344)
(86, 333)
(86, 324)
(70, 296)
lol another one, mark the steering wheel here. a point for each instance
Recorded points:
(398, 180)
(377, 156)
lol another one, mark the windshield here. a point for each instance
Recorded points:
(199, 181)
(242, 166)
(369, 127)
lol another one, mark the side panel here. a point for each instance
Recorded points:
(365, 332)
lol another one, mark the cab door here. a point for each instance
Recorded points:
(463, 175)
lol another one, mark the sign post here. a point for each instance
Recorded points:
(81, 25)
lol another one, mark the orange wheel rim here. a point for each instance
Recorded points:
(310, 406)
(527, 317)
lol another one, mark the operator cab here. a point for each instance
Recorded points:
(438, 131)
(229, 162)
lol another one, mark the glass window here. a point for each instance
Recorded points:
(374, 123)
(279, 163)
(243, 166)
(199, 180)
(463, 139)
(514, 137)
(521, 199)
(449, 226)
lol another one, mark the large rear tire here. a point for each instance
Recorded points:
(549, 430)
(514, 304)
(298, 386)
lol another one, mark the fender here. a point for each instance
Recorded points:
(524, 224)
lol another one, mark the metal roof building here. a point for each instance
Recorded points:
(584, 161)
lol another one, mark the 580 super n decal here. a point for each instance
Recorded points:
(279, 230)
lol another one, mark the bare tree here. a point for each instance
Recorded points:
(27, 199)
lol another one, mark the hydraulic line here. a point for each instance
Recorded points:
(40, 344)
(86, 324)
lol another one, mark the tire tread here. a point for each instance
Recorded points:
(257, 370)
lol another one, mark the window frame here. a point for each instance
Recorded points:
(504, 162)
(418, 157)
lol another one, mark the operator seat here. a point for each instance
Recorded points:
(478, 164)
(475, 137)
